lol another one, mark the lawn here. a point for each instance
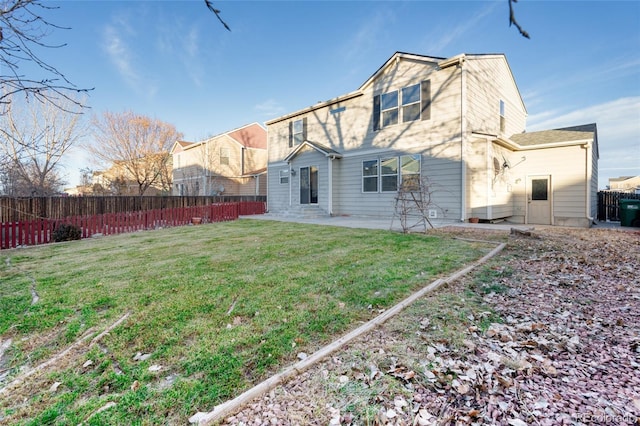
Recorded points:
(208, 312)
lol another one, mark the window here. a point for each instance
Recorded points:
(389, 174)
(410, 103)
(389, 108)
(224, 156)
(410, 171)
(370, 176)
(284, 177)
(196, 188)
(502, 116)
(389, 171)
(539, 189)
(297, 132)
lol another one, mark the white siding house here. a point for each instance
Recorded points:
(458, 121)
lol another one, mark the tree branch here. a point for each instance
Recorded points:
(217, 12)
(512, 20)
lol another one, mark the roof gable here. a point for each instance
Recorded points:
(394, 59)
(326, 151)
(250, 136)
(179, 146)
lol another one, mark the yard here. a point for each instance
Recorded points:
(545, 333)
(151, 327)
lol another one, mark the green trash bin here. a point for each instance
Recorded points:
(630, 212)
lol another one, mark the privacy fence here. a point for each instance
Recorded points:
(41, 230)
(609, 204)
(14, 209)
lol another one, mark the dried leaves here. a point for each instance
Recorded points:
(566, 352)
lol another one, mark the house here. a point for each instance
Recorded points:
(231, 163)
(148, 176)
(625, 184)
(459, 121)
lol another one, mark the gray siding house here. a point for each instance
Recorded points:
(460, 122)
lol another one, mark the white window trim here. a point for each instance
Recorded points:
(383, 175)
(399, 174)
(284, 174)
(300, 133)
(400, 105)
(376, 176)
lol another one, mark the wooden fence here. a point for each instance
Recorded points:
(609, 204)
(40, 231)
(16, 209)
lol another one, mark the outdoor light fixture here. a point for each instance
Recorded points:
(293, 172)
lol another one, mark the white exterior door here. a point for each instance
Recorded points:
(539, 200)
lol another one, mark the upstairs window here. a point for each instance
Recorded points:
(224, 156)
(411, 103)
(389, 108)
(502, 117)
(297, 132)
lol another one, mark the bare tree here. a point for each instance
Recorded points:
(137, 144)
(34, 137)
(23, 30)
(414, 204)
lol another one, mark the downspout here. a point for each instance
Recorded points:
(243, 151)
(490, 178)
(588, 170)
(206, 168)
(330, 185)
(290, 181)
(463, 140)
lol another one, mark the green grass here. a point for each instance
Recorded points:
(219, 307)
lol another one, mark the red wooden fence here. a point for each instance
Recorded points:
(39, 231)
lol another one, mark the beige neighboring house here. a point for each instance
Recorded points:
(459, 121)
(119, 180)
(625, 184)
(232, 163)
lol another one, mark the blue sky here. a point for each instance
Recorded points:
(172, 60)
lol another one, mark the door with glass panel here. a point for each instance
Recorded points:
(309, 185)
(539, 200)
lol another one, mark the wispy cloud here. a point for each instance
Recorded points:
(119, 53)
(270, 108)
(366, 37)
(118, 39)
(439, 44)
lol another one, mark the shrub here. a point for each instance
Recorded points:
(66, 232)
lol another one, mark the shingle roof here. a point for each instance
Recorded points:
(565, 134)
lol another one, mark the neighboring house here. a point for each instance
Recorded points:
(123, 178)
(232, 163)
(625, 184)
(459, 122)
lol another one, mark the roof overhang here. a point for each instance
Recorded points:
(327, 152)
(315, 107)
(508, 143)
